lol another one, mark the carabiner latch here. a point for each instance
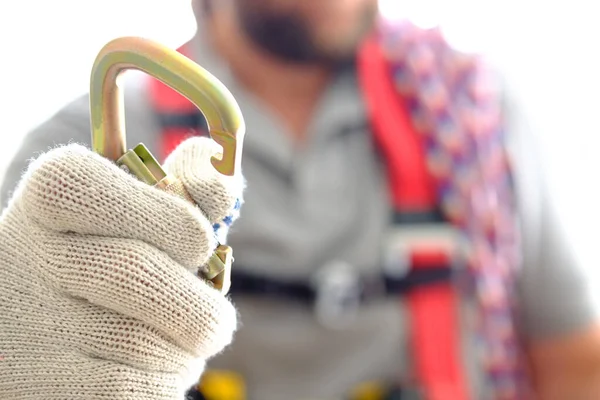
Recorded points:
(217, 104)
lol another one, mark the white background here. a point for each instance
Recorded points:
(548, 49)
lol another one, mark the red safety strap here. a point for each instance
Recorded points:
(433, 309)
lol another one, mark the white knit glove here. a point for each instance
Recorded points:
(99, 297)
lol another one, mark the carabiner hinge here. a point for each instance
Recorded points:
(218, 269)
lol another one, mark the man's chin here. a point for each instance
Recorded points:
(291, 40)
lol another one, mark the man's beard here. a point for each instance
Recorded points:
(288, 37)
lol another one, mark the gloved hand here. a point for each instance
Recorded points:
(99, 293)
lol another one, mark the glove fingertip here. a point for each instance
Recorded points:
(216, 194)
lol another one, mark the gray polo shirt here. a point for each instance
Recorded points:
(327, 201)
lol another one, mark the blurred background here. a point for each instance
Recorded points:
(548, 51)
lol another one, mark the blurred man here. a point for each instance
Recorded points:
(352, 226)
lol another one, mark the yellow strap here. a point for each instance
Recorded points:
(222, 385)
(368, 391)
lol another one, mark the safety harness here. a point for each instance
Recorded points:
(436, 116)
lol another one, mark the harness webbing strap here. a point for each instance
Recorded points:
(433, 309)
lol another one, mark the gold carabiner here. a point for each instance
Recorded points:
(217, 104)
